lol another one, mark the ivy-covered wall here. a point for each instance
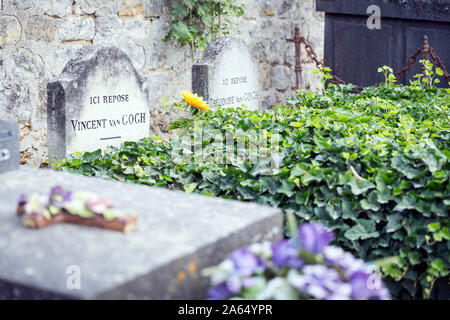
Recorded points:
(38, 37)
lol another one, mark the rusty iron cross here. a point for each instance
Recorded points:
(297, 40)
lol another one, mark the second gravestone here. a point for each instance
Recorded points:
(227, 76)
(97, 101)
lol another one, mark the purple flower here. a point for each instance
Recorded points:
(23, 198)
(284, 254)
(335, 256)
(58, 196)
(219, 292)
(246, 262)
(363, 288)
(336, 274)
(320, 282)
(226, 289)
(249, 282)
(314, 238)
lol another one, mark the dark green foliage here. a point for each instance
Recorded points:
(374, 167)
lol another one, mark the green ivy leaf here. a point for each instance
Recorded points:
(179, 11)
(438, 268)
(394, 223)
(364, 229)
(180, 123)
(89, 157)
(190, 187)
(399, 163)
(286, 188)
(414, 257)
(406, 203)
(434, 227)
(183, 33)
(359, 187)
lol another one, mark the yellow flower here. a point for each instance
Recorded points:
(194, 100)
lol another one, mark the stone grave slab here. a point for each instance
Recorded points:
(9, 146)
(227, 75)
(176, 237)
(98, 100)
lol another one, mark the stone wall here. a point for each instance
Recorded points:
(38, 37)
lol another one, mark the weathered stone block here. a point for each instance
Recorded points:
(72, 28)
(59, 8)
(281, 77)
(108, 30)
(99, 7)
(177, 236)
(157, 84)
(276, 50)
(131, 8)
(40, 28)
(137, 30)
(153, 8)
(19, 96)
(22, 4)
(268, 8)
(285, 8)
(10, 30)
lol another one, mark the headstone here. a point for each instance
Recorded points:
(177, 236)
(227, 75)
(97, 101)
(9, 146)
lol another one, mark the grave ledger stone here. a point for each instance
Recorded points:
(177, 235)
(9, 146)
(97, 101)
(227, 75)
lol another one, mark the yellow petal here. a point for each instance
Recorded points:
(194, 100)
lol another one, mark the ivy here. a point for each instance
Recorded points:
(373, 167)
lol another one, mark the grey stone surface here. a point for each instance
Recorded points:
(227, 75)
(282, 78)
(59, 8)
(153, 8)
(10, 30)
(40, 28)
(130, 8)
(74, 28)
(22, 4)
(9, 146)
(98, 7)
(176, 237)
(97, 101)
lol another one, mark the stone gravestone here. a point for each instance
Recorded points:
(97, 101)
(9, 146)
(227, 75)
